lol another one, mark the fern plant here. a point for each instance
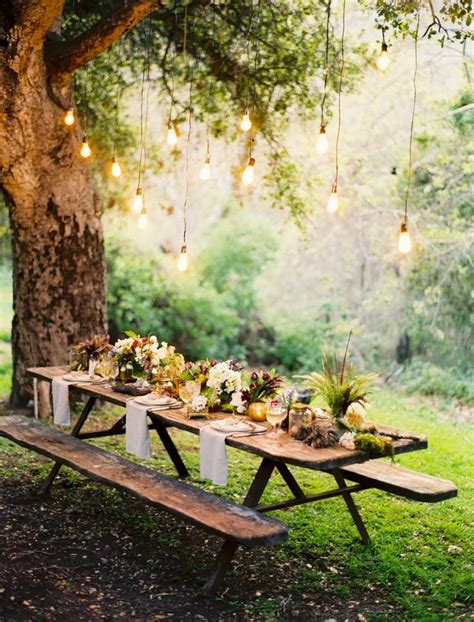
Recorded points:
(338, 385)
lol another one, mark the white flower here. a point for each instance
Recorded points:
(347, 440)
(163, 351)
(223, 378)
(123, 346)
(199, 403)
(237, 401)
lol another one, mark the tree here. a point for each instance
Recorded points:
(54, 210)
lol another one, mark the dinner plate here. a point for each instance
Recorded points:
(231, 425)
(152, 400)
(80, 377)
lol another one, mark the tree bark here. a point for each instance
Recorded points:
(57, 244)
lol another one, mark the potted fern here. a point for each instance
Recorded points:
(338, 386)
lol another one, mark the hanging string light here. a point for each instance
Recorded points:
(246, 122)
(404, 240)
(205, 172)
(249, 170)
(333, 201)
(116, 169)
(182, 264)
(85, 148)
(138, 205)
(322, 140)
(69, 118)
(383, 60)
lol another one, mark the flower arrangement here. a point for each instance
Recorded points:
(87, 349)
(145, 355)
(261, 386)
(197, 371)
(224, 386)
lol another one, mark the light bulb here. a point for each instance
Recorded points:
(85, 149)
(137, 205)
(183, 259)
(322, 141)
(116, 170)
(247, 175)
(333, 202)
(245, 123)
(205, 171)
(142, 220)
(383, 61)
(404, 241)
(171, 136)
(69, 116)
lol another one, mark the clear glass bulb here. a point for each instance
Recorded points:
(137, 205)
(404, 241)
(248, 174)
(85, 149)
(142, 220)
(245, 123)
(333, 201)
(171, 136)
(69, 116)
(322, 142)
(183, 259)
(116, 170)
(383, 61)
(205, 171)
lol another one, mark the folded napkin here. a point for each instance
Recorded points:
(213, 455)
(61, 410)
(137, 439)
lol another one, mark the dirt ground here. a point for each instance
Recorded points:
(88, 553)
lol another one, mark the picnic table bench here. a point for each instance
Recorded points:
(236, 524)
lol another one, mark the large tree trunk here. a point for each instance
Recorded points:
(58, 255)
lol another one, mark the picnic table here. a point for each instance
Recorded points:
(276, 454)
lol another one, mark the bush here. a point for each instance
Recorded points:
(428, 379)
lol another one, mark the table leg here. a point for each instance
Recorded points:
(259, 483)
(351, 506)
(75, 431)
(35, 397)
(170, 447)
(290, 480)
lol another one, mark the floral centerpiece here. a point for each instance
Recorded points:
(224, 386)
(145, 356)
(261, 385)
(88, 349)
(197, 371)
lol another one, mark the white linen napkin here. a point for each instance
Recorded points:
(213, 455)
(61, 410)
(137, 438)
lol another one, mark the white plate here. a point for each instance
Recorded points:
(152, 400)
(229, 425)
(80, 377)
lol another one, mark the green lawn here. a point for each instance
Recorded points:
(422, 555)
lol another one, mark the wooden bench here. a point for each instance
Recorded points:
(400, 481)
(234, 523)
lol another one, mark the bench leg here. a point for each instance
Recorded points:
(224, 559)
(170, 447)
(75, 431)
(351, 506)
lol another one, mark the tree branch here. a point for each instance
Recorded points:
(66, 57)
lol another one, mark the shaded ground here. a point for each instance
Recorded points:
(73, 556)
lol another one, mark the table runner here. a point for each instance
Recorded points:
(137, 438)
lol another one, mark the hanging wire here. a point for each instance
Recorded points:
(340, 89)
(144, 105)
(326, 74)
(248, 35)
(190, 119)
(412, 124)
(257, 53)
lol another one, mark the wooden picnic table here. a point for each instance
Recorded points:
(236, 524)
(275, 453)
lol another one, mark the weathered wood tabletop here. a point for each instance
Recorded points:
(282, 449)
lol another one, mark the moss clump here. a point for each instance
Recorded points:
(375, 446)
